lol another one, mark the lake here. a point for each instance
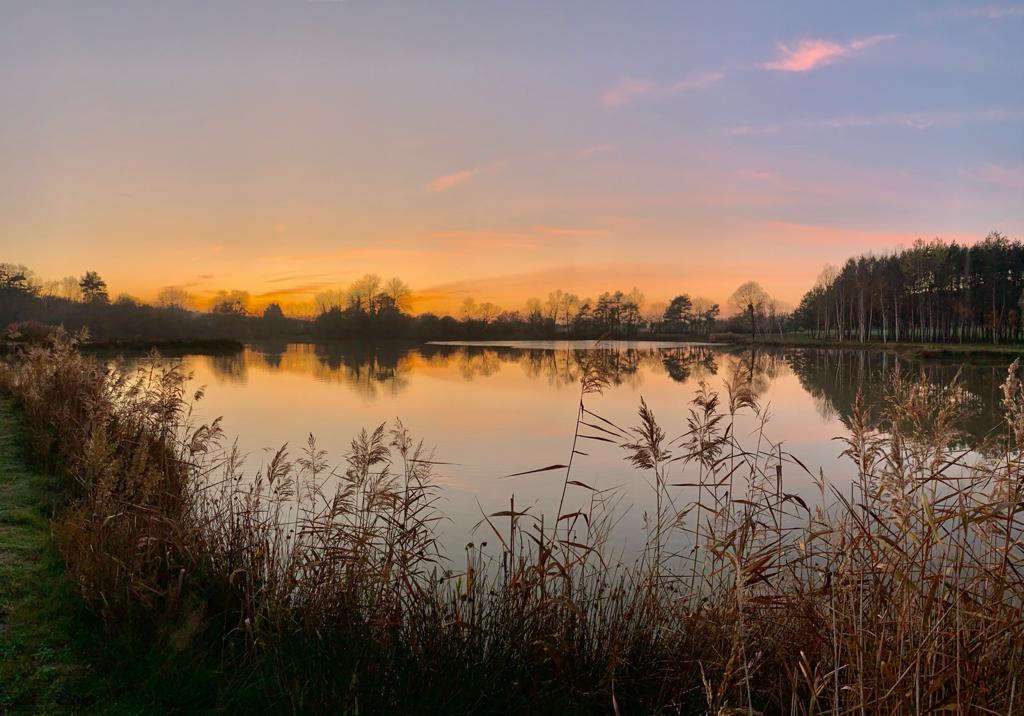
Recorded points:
(491, 410)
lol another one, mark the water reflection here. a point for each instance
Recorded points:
(369, 368)
(496, 410)
(832, 377)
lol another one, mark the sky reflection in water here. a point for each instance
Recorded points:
(510, 407)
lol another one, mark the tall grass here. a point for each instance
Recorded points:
(306, 588)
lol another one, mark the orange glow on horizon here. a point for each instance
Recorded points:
(446, 267)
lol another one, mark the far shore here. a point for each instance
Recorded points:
(913, 349)
(724, 340)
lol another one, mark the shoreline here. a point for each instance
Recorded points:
(720, 340)
(911, 349)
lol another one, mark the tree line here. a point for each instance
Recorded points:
(935, 291)
(30, 307)
(370, 307)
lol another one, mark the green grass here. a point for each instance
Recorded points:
(50, 661)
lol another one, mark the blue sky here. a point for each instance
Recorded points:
(501, 149)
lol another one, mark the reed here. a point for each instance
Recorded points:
(303, 587)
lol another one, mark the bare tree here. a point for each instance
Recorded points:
(750, 300)
(486, 311)
(399, 292)
(69, 288)
(776, 314)
(173, 297)
(332, 299)
(562, 307)
(362, 292)
(469, 308)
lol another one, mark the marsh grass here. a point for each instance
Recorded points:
(307, 588)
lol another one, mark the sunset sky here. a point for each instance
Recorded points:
(500, 149)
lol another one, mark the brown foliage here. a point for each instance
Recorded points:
(325, 586)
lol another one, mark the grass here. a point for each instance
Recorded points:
(49, 663)
(298, 587)
(910, 348)
(55, 655)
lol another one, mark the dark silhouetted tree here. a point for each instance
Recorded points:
(94, 288)
(16, 279)
(679, 315)
(230, 303)
(273, 312)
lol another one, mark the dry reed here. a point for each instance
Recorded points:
(314, 589)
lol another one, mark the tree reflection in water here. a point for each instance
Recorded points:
(835, 376)
(369, 368)
(832, 377)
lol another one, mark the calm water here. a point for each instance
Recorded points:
(501, 408)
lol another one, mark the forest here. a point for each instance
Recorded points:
(935, 291)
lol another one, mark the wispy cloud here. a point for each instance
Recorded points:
(291, 278)
(909, 120)
(981, 12)
(303, 289)
(744, 130)
(486, 238)
(817, 235)
(447, 181)
(1005, 177)
(630, 89)
(535, 237)
(808, 54)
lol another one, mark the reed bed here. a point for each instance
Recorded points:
(302, 587)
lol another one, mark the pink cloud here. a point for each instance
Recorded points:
(447, 181)
(1005, 177)
(625, 90)
(629, 89)
(809, 54)
(909, 120)
(817, 235)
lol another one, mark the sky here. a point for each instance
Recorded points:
(500, 150)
